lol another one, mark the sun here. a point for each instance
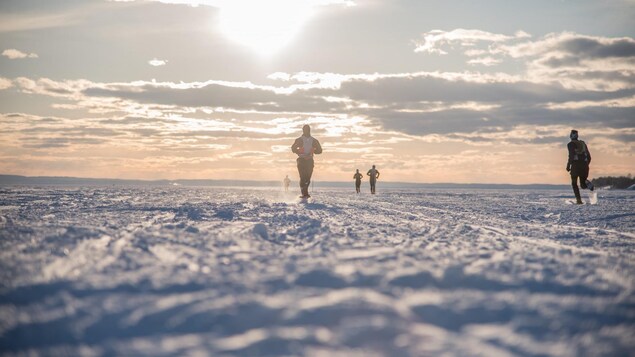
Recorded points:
(263, 26)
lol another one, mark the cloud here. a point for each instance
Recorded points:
(178, 145)
(410, 117)
(58, 142)
(247, 155)
(5, 83)
(578, 61)
(485, 61)
(575, 61)
(625, 102)
(572, 44)
(399, 91)
(157, 62)
(434, 41)
(279, 76)
(16, 54)
(412, 103)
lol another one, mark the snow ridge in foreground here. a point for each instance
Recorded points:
(173, 271)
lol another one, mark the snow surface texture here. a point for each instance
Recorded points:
(202, 271)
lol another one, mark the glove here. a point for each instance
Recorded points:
(568, 167)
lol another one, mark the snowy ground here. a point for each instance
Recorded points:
(209, 271)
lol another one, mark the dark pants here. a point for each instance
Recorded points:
(358, 183)
(372, 185)
(579, 170)
(305, 169)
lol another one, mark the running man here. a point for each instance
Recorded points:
(358, 180)
(374, 176)
(578, 164)
(305, 146)
(286, 181)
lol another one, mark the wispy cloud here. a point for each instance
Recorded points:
(626, 102)
(247, 155)
(485, 61)
(157, 62)
(435, 41)
(12, 53)
(5, 83)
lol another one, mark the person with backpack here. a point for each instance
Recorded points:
(358, 180)
(578, 165)
(305, 147)
(374, 176)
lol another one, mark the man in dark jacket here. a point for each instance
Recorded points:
(305, 147)
(578, 164)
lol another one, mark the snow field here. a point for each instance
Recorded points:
(210, 271)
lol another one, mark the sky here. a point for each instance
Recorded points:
(464, 91)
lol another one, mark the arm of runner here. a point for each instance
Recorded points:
(317, 148)
(295, 147)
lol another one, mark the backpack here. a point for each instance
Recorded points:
(580, 150)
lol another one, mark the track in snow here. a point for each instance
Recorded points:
(174, 270)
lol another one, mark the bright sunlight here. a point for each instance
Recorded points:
(264, 26)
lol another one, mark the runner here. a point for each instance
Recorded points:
(305, 147)
(374, 176)
(358, 180)
(286, 181)
(578, 165)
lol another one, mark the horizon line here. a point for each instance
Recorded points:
(3, 177)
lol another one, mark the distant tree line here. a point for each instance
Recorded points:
(621, 182)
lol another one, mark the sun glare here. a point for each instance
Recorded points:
(263, 26)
